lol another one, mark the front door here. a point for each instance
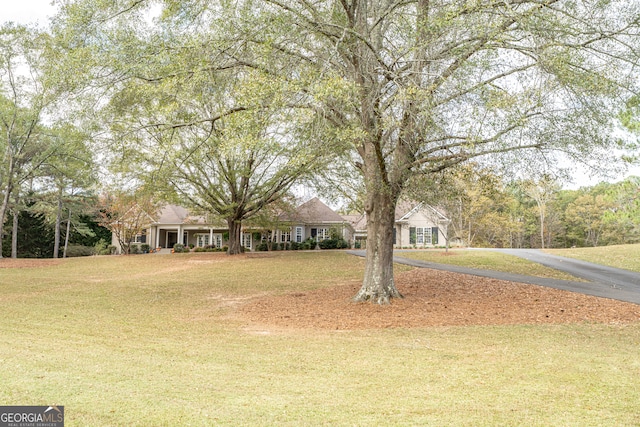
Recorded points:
(172, 238)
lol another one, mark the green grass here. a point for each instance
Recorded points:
(620, 256)
(486, 260)
(148, 341)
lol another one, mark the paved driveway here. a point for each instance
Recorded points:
(602, 281)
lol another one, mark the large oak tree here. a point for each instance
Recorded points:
(419, 86)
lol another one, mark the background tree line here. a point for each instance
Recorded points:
(489, 210)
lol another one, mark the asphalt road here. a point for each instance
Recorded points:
(602, 281)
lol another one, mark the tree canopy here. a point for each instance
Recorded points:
(397, 87)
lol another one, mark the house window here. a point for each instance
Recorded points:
(202, 240)
(427, 236)
(323, 234)
(140, 238)
(285, 236)
(217, 240)
(246, 240)
(420, 236)
(320, 233)
(299, 234)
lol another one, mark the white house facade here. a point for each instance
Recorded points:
(416, 225)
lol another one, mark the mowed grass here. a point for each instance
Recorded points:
(150, 341)
(619, 256)
(486, 260)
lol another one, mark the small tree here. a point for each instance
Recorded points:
(126, 215)
(543, 192)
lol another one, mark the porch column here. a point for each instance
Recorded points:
(211, 236)
(157, 237)
(180, 236)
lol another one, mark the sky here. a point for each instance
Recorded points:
(26, 11)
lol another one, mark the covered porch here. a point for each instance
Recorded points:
(165, 237)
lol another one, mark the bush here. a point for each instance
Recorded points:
(338, 243)
(310, 243)
(80, 250)
(209, 248)
(179, 247)
(145, 248)
(100, 247)
(134, 249)
(343, 244)
(262, 247)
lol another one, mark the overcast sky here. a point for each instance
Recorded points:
(26, 11)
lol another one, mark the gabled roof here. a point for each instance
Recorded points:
(313, 212)
(405, 210)
(358, 221)
(174, 214)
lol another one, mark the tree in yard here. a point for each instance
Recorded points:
(274, 218)
(215, 136)
(33, 234)
(542, 191)
(473, 198)
(419, 86)
(64, 181)
(126, 215)
(24, 98)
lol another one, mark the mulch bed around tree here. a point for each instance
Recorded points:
(435, 298)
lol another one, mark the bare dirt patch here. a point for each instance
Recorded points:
(436, 298)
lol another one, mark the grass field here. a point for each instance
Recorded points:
(620, 256)
(149, 341)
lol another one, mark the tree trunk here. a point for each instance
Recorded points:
(14, 232)
(379, 285)
(235, 237)
(56, 244)
(542, 218)
(66, 237)
(3, 211)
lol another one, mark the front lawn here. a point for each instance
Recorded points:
(152, 340)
